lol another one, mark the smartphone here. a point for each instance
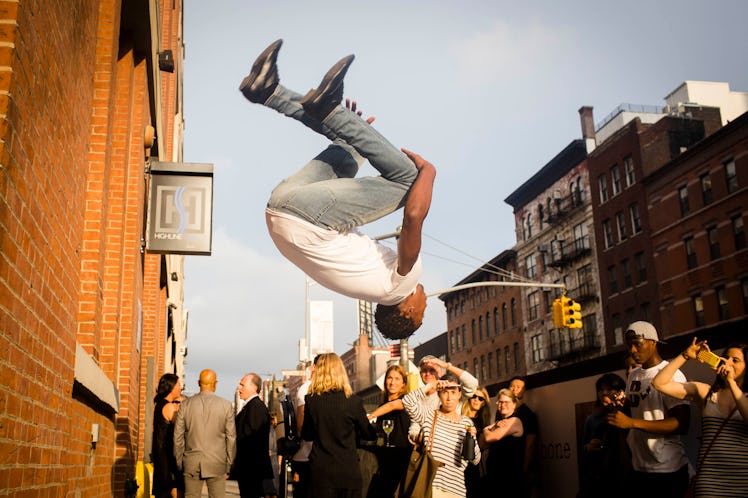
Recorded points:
(709, 358)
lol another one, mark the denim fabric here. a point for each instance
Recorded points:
(325, 191)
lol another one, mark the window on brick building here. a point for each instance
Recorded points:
(580, 189)
(722, 304)
(472, 332)
(504, 316)
(612, 279)
(641, 266)
(476, 371)
(480, 328)
(636, 222)
(698, 310)
(731, 176)
(683, 199)
(496, 321)
(529, 225)
(615, 177)
(608, 233)
(536, 345)
(533, 305)
(540, 217)
(464, 337)
(738, 232)
(530, 266)
(490, 366)
(628, 167)
(488, 325)
(617, 329)
(645, 313)
(621, 221)
(451, 342)
(706, 188)
(507, 359)
(516, 357)
(690, 252)
(513, 311)
(602, 185)
(458, 341)
(712, 234)
(498, 362)
(483, 372)
(626, 270)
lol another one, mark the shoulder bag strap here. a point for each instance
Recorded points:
(433, 427)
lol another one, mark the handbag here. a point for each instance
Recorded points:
(422, 467)
(691, 490)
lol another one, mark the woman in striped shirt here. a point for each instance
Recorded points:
(447, 427)
(723, 457)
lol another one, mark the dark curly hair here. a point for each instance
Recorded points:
(392, 324)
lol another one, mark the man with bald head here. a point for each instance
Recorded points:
(205, 439)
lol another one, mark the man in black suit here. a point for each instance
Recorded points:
(252, 468)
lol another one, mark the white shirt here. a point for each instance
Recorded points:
(656, 453)
(302, 455)
(349, 263)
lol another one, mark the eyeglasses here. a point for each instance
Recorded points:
(475, 396)
(504, 402)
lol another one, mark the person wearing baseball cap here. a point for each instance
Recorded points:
(658, 456)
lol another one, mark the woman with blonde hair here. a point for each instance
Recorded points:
(477, 409)
(334, 419)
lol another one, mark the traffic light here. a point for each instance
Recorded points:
(572, 313)
(558, 313)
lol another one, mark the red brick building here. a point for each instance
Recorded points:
(83, 306)
(698, 205)
(484, 324)
(622, 228)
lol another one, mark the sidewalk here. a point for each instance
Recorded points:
(232, 489)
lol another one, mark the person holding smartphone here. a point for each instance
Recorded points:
(723, 457)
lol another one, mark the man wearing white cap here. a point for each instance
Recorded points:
(657, 454)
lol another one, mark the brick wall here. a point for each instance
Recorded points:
(74, 102)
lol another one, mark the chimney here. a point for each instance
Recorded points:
(588, 127)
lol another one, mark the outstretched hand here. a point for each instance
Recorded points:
(351, 105)
(692, 352)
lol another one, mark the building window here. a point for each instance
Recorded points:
(530, 266)
(602, 184)
(628, 167)
(621, 220)
(730, 176)
(626, 269)
(724, 312)
(706, 188)
(464, 337)
(617, 329)
(645, 315)
(483, 375)
(581, 238)
(507, 359)
(503, 316)
(713, 242)
(451, 342)
(529, 225)
(537, 349)
(615, 176)
(480, 328)
(488, 324)
(698, 310)
(683, 197)
(636, 222)
(612, 279)
(533, 305)
(496, 321)
(476, 371)
(690, 252)
(490, 366)
(513, 311)
(472, 332)
(738, 232)
(540, 216)
(516, 357)
(608, 232)
(580, 189)
(498, 362)
(641, 266)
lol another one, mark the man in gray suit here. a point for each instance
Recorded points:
(205, 440)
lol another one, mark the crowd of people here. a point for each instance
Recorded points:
(631, 443)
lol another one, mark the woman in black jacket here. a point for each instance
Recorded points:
(334, 419)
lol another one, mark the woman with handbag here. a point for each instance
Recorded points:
(723, 457)
(506, 450)
(334, 419)
(444, 431)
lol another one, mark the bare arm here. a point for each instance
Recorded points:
(691, 391)
(675, 422)
(416, 208)
(508, 427)
(388, 407)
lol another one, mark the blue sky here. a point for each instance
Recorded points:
(488, 91)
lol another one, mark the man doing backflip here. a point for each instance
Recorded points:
(312, 216)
